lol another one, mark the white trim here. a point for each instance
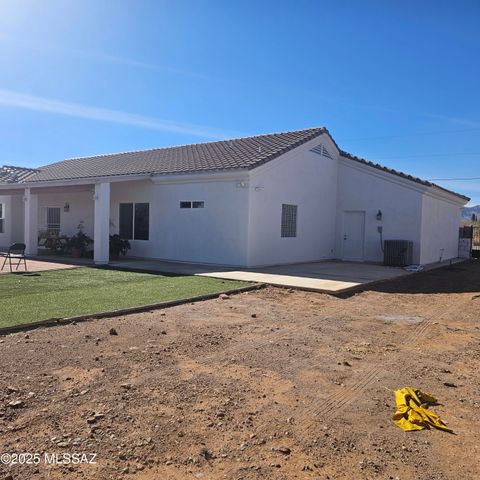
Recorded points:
(76, 181)
(440, 194)
(375, 172)
(234, 175)
(405, 182)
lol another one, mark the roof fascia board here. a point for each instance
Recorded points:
(441, 194)
(430, 190)
(11, 191)
(75, 181)
(221, 176)
(390, 177)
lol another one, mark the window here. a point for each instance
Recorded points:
(2, 218)
(195, 204)
(134, 221)
(289, 220)
(125, 229)
(141, 225)
(53, 220)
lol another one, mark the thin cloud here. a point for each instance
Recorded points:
(461, 121)
(129, 62)
(41, 104)
(105, 57)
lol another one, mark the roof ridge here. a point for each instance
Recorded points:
(322, 128)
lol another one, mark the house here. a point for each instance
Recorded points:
(263, 200)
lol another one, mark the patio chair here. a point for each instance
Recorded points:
(16, 252)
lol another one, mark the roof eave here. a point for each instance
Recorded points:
(402, 175)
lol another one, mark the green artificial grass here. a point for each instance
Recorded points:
(82, 291)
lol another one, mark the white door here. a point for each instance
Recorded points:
(353, 235)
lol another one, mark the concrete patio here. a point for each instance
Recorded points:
(35, 266)
(324, 277)
(327, 277)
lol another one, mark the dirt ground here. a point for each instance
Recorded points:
(272, 384)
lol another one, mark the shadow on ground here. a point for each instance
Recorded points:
(459, 278)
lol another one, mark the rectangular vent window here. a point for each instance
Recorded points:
(289, 220)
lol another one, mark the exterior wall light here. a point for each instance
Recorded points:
(66, 207)
(379, 215)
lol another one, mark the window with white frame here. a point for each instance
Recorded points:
(289, 221)
(2, 218)
(134, 221)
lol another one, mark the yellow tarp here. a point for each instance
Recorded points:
(412, 412)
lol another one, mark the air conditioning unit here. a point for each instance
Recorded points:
(397, 253)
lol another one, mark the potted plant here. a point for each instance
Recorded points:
(79, 243)
(118, 246)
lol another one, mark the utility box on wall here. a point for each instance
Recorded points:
(397, 253)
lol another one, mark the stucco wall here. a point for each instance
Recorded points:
(6, 236)
(13, 220)
(363, 189)
(241, 222)
(81, 209)
(214, 234)
(440, 224)
(300, 178)
(17, 221)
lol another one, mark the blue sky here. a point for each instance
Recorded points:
(395, 82)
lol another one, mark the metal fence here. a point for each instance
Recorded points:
(470, 240)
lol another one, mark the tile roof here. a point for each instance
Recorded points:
(240, 153)
(407, 176)
(9, 174)
(235, 154)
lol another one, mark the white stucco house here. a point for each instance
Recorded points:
(264, 200)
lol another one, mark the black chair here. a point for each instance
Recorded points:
(16, 253)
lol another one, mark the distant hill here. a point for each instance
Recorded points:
(467, 212)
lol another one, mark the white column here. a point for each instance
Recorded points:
(31, 222)
(101, 233)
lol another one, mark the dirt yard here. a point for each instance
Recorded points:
(272, 384)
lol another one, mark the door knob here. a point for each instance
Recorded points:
(344, 237)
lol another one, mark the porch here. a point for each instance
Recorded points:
(40, 265)
(46, 218)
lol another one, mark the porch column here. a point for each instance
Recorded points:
(101, 233)
(31, 222)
